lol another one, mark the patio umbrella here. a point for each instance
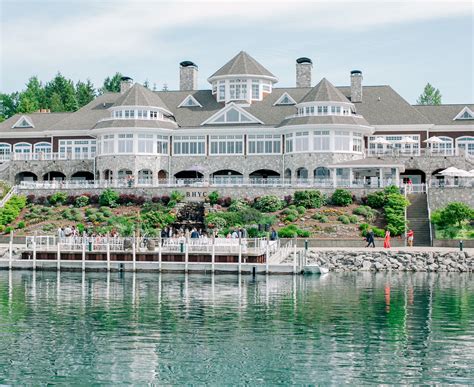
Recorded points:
(433, 140)
(381, 140)
(453, 171)
(407, 140)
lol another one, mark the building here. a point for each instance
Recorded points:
(243, 130)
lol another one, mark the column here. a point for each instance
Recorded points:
(334, 177)
(380, 177)
(396, 178)
(350, 177)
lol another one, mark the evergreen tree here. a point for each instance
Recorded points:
(33, 98)
(64, 90)
(8, 105)
(85, 92)
(430, 96)
(112, 84)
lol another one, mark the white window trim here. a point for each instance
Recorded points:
(459, 115)
(190, 97)
(280, 138)
(223, 111)
(27, 119)
(285, 94)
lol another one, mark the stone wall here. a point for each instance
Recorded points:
(439, 197)
(41, 167)
(391, 260)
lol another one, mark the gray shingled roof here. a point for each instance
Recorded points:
(444, 114)
(322, 120)
(240, 64)
(324, 91)
(41, 121)
(135, 124)
(139, 95)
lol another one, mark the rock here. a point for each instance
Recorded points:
(433, 267)
(366, 266)
(378, 266)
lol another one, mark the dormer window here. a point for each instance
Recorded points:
(285, 99)
(465, 114)
(190, 101)
(23, 122)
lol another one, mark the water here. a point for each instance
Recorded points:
(71, 328)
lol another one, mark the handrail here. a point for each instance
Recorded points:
(8, 196)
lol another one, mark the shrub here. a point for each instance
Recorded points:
(224, 202)
(395, 213)
(341, 197)
(12, 209)
(268, 203)
(368, 213)
(105, 211)
(30, 199)
(454, 213)
(353, 219)
(57, 198)
(213, 197)
(320, 218)
(8, 230)
(171, 204)
(82, 201)
(254, 233)
(290, 218)
(80, 228)
(289, 211)
(94, 199)
(40, 200)
(108, 198)
(378, 232)
(301, 210)
(344, 219)
(48, 227)
(361, 210)
(215, 221)
(376, 199)
(287, 199)
(155, 199)
(292, 231)
(21, 225)
(309, 198)
(237, 206)
(165, 199)
(71, 199)
(177, 196)
(391, 189)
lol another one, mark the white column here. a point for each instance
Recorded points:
(294, 257)
(380, 177)
(213, 256)
(267, 255)
(334, 177)
(159, 255)
(186, 256)
(34, 252)
(350, 177)
(397, 177)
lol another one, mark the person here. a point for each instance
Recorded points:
(194, 234)
(386, 241)
(235, 235)
(370, 238)
(409, 186)
(273, 235)
(410, 237)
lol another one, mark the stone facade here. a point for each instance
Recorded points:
(303, 74)
(40, 168)
(439, 197)
(188, 77)
(356, 86)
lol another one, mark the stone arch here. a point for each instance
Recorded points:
(145, 176)
(264, 174)
(287, 174)
(124, 173)
(188, 174)
(54, 175)
(321, 173)
(227, 176)
(227, 172)
(162, 176)
(25, 176)
(302, 173)
(108, 174)
(82, 175)
(417, 176)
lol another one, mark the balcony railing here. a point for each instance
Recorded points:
(39, 156)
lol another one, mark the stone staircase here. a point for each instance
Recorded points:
(418, 221)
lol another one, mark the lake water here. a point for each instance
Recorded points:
(71, 328)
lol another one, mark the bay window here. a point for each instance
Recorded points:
(145, 143)
(108, 144)
(301, 141)
(342, 140)
(162, 145)
(357, 142)
(289, 143)
(321, 140)
(125, 143)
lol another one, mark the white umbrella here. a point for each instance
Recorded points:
(463, 173)
(433, 140)
(453, 171)
(407, 140)
(381, 140)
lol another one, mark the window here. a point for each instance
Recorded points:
(221, 91)
(189, 145)
(238, 89)
(125, 143)
(22, 147)
(118, 114)
(190, 101)
(145, 143)
(357, 142)
(5, 150)
(141, 114)
(465, 145)
(289, 143)
(266, 87)
(231, 115)
(153, 114)
(342, 140)
(23, 122)
(77, 149)
(465, 114)
(286, 99)
(43, 147)
(321, 140)
(108, 144)
(162, 145)
(255, 89)
(335, 109)
(264, 144)
(226, 145)
(301, 141)
(214, 87)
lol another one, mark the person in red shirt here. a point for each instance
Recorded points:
(410, 236)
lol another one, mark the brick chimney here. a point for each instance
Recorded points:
(188, 72)
(125, 84)
(356, 86)
(304, 66)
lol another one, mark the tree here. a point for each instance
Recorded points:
(61, 88)
(112, 84)
(455, 212)
(33, 98)
(430, 96)
(8, 105)
(85, 92)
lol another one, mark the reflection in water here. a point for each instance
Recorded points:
(358, 328)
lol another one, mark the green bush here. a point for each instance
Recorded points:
(309, 198)
(290, 218)
(455, 213)
(364, 228)
(106, 211)
(48, 227)
(320, 218)
(108, 198)
(292, 231)
(301, 210)
(268, 203)
(376, 199)
(289, 211)
(213, 220)
(172, 204)
(395, 213)
(81, 201)
(213, 197)
(368, 213)
(354, 219)
(21, 225)
(57, 198)
(254, 233)
(237, 206)
(12, 209)
(343, 219)
(177, 196)
(341, 197)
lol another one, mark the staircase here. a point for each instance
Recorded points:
(418, 219)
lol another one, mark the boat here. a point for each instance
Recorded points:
(315, 269)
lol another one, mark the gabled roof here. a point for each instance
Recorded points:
(41, 122)
(24, 122)
(285, 99)
(190, 101)
(139, 95)
(232, 113)
(243, 64)
(445, 114)
(324, 91)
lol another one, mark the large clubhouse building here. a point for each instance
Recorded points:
(243, 130)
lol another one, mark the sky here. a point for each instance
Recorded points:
(404, 44)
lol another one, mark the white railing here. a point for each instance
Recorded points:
(40, 156)
(450, 182)
(8, 196)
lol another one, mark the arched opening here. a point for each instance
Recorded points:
(263, 176)
(54, 175)
(287, 175)
(162, 176)
(188, 177)
(25, 176)
(145, 176)
(108, 174)
(124, 173)
(465, 145)
(302, 174)
(321, 173)
(82, 175)
(437, 180)
(417, 176)
(227, 176)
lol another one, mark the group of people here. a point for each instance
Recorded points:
(370, 238)
(195, 233)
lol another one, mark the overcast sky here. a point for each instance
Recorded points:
(403, 44)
